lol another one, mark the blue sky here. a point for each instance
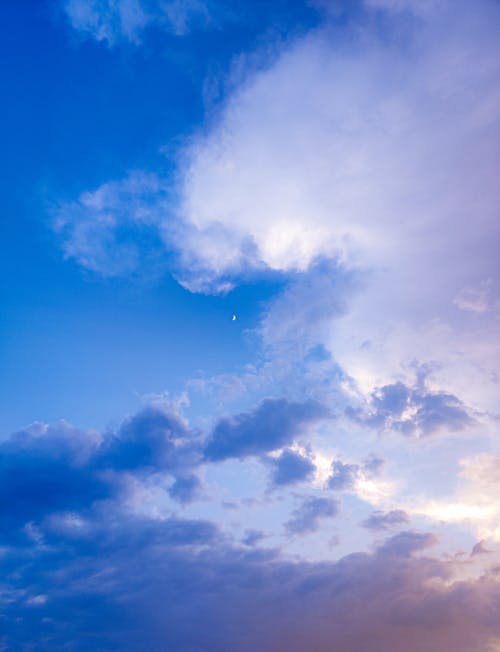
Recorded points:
(77, 113)
(322, 471)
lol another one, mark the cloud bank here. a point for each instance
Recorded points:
(116, 580)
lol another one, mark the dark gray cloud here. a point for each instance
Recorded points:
(385, 520)
(308, 516)
(412, 410)
(274, 423)
(290, 468)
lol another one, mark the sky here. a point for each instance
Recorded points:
(249, 348)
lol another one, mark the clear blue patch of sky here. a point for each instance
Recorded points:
(74, 115)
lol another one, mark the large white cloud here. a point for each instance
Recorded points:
(383, 154)
(370, 150)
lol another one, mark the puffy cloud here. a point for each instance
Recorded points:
(413, 410)
(87, 572)
(274, 423)
(383, 521)
(45, 469)
(290, 468)
(343, 150)
(60, 469)
(308, 516)
(141, 585)
(152, 439)
(185, 488)
(343, 476)
(324, 155)
(406, 543)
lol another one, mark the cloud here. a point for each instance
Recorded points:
(324, 156)
(142, 584)
(60, 469)
(413, 410)
(343, 476)
(307, 518)
(415, 6)
(475, 497)
(328, 133)
(480, 549)
(152, 439)
(274, 423)
(185, 488)
(373, 465)
(476, 299)
(290, 468)
(253, 537)
(46, 469)
(115, 21)
(113, 230)
(87, 572)
(406, 544)
(298, 316)
(384, 521)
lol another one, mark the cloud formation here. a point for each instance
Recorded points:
(291, 467)
(60, 469)
(86, 566)
(113, 229)
(141, 584)
(271, 425)
(343, 476)
(309, 515)
(383, 521)
(413, 410)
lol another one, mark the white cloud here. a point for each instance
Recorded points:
(113, 21)
(103, 228)
(382, 156)
(475, 299)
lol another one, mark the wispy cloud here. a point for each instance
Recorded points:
(115, 21)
